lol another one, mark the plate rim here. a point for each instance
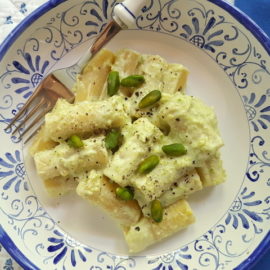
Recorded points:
(22, 26)
(15, 252)
(237, 14)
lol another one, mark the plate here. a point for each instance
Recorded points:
(228, 58)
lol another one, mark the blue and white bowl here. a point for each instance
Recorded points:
(228, 58)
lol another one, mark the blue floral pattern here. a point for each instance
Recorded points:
(12, 171)
(203, 26)
(172, 261)
(60, 245)
(23, 8)
(241, 210)
(33, 69)
(8, 20)
(206, 34)
(259, 160)
(258, 111)
(7, 119)
(164, 18)
(8, 265)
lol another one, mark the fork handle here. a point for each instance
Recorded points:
(127, 11)
(124, 17)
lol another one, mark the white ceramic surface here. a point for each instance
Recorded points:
(228, 70)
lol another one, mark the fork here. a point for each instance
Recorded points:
(59, 83)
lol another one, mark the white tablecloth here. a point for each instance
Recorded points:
(11, 14)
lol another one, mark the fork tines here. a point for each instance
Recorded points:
(40, 103)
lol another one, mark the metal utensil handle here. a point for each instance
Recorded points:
(124, 16)
(127, 11)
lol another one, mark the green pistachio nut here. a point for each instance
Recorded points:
(156, 211)
(75, 141)
(133, 81)
(113, 83)
(113, 140)
(124, 193)
(175, 149)
(150, 99)
(148, 164)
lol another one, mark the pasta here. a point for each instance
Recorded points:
(139, 163)
(146, 232)
(66, 161)
(82, 118)
(92, 81)
(99, 190)
(126, 160)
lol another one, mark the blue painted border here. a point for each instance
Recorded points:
(235, 12)
(247, 22)
(254, 258)
(9, 245)
(263, 38)
(19, 29)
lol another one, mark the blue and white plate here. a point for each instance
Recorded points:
(228, 58)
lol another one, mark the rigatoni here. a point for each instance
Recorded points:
(212, 172)
(41, 142)
(64, 160)
(133, 143)
(102, 192)
(125, 162)
(180, 189)
(82, 118)
(185, 186)
(175, 78)
(93, 78)
(147, 232)
(126, 63)
(60, 185)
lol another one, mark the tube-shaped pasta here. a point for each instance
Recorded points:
(125, 161)
(93, 79)
(101, 191)
(126, 62)
(212, 172)
(84, 118)
(64, 160)
(41, 143)
(175, 78)
(147, 232)
(185, 186)
(180, 189)
(167, 172)
(60, 185)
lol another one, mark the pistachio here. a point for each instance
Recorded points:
(113, 83)
(113, 140)
(150, 99)
(75, 141)
(133, 81)
(125, 193)
(148, 164)
(156, 211)
(165, 128)
(175, 149)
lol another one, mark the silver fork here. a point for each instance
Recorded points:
(59, 83)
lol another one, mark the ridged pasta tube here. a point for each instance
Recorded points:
(64, 160)
(147, 232)
(101, 191)
(83, 118)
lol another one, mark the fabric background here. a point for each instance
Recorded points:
(12, 12)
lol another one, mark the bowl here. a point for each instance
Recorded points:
(228, 59)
